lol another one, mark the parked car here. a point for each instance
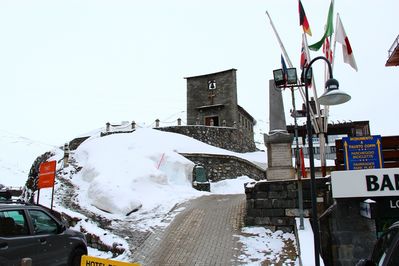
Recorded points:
(31, 231)
(386, 249)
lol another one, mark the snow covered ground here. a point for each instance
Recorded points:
(142, 172)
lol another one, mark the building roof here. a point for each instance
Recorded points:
(393, 54)
(247, 114)
(204, 75)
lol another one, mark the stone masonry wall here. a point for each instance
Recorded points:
(221, 167)
(351, 237)
(228, 138)
(274, 204)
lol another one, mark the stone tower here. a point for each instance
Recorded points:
(212, 101)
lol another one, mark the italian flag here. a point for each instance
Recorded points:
(342, 38)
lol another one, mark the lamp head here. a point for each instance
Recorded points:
(291, 76)
(279, 77)
(333, 96)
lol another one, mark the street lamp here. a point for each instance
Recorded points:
(332, 96)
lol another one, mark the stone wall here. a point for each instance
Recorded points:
(228, 138)
(274, 204)
(75, 143)
(346, 236)
(221, 167)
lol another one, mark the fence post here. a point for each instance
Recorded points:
(179, 121)
(107, 126)
(66, 155)
(133, 125)
(157, 123)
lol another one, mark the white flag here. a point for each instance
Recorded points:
(342, 38)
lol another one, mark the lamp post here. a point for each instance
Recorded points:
(332, 96)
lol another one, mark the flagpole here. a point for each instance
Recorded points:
(313, 115)
(290, 64)
(335, 43)
(279, 41)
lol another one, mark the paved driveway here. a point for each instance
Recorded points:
(202, 234)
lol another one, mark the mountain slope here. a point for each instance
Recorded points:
(16, 157)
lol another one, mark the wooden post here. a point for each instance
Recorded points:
(66, 155)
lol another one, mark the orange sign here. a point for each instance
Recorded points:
(47, 174)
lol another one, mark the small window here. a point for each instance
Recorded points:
(43, 223)
(13, 223)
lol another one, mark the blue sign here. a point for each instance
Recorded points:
(363, 152)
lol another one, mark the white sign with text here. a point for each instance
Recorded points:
(365, 183)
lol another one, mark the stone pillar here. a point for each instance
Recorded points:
(179, 121)
(278, 141)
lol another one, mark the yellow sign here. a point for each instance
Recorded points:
(93, 261)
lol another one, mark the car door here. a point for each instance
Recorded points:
(15, 239)
(385, 247)
(394, 258)
(53, 243)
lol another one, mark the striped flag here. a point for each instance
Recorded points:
(305, 57)
(283, 65)
(303, 20)
(327, 50)
(328, 32)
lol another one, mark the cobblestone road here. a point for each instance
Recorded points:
(202, 234)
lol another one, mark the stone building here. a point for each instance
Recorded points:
(212, 101)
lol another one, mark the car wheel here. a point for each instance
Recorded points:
(76, 255)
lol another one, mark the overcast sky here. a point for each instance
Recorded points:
(67, 67)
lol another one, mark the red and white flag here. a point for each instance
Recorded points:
(327, 50)
(342, 38)
(305, 56)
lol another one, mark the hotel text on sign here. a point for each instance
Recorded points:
(93, 261)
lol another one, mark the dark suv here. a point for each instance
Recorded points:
(31, 231)
(386, 250)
